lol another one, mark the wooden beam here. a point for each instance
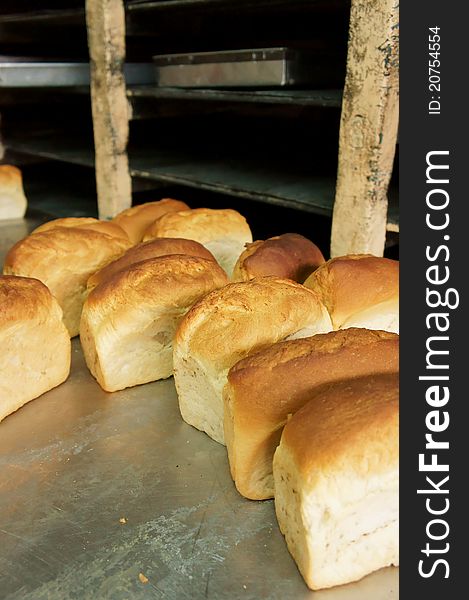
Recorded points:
(368, 129)
(105, 20)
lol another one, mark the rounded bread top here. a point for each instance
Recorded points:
(173, 280)
(347, 427)
(25, 299)
(202, 225)
(151, 249)
(88, 223)
(227, 324)
(290, 256)
(136, 219)
(11, 177)
(47, 254)
(353, 283)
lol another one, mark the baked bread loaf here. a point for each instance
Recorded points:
(84, 223)
(35, 345)
(128, 321)
(151, 249)
(289, 256)
(13, 202)
(226, 326)
(224, 232)
(336, 481)
(264, 389)
(359, 290)
(135, 220)
(64, 258)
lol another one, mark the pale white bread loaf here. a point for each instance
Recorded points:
(64, 258)
(35, 345)
(226, 326)
(222, 231)
(359, 290)
(137, 219)
(129, 320)
(89, 223)
(151, 249)
(289, 256)
(265, 388)
(13, 202)
(336, 481)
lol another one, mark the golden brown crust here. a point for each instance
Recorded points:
(10, 176)
(177, 275)
(151, 249)
(289, 256)
(128, 321)
(201, 224)
(265, 388)
(350, 425)
(13, 202)
(354, 283)
(244, 314)
(35, 345)
(63, 258)
(88, 223)
(23, 298)
(137, 219)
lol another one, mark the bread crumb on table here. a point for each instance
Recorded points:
(142, 578)
(123, 520)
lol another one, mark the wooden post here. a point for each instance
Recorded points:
(105, 20)
(368, 129)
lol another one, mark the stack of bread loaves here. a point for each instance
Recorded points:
(299, 380)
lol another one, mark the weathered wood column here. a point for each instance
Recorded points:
(368, 129)
(105, 20)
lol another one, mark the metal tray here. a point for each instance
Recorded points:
(77, 460)
(255, 67)
(15, 74)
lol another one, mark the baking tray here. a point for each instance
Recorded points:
(255, 67)
(77, 460)
(14, 74)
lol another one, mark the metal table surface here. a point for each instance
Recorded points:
(78, 460)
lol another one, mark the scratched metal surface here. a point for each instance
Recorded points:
(77, 460)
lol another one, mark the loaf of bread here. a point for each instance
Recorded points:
(135, 220)
(336, 481)
(64, 258)
(84, 223)
(266, 387)
(128, 321)
(226, 326)
(224, 232)
(151, 249)
(35, 345)
(359, 290)
(13, 202)
(289, 256)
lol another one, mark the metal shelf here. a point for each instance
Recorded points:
(322, 98)
(146, 5)
(264, 181)
(62, 16)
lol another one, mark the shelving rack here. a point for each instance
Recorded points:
(355, 194)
